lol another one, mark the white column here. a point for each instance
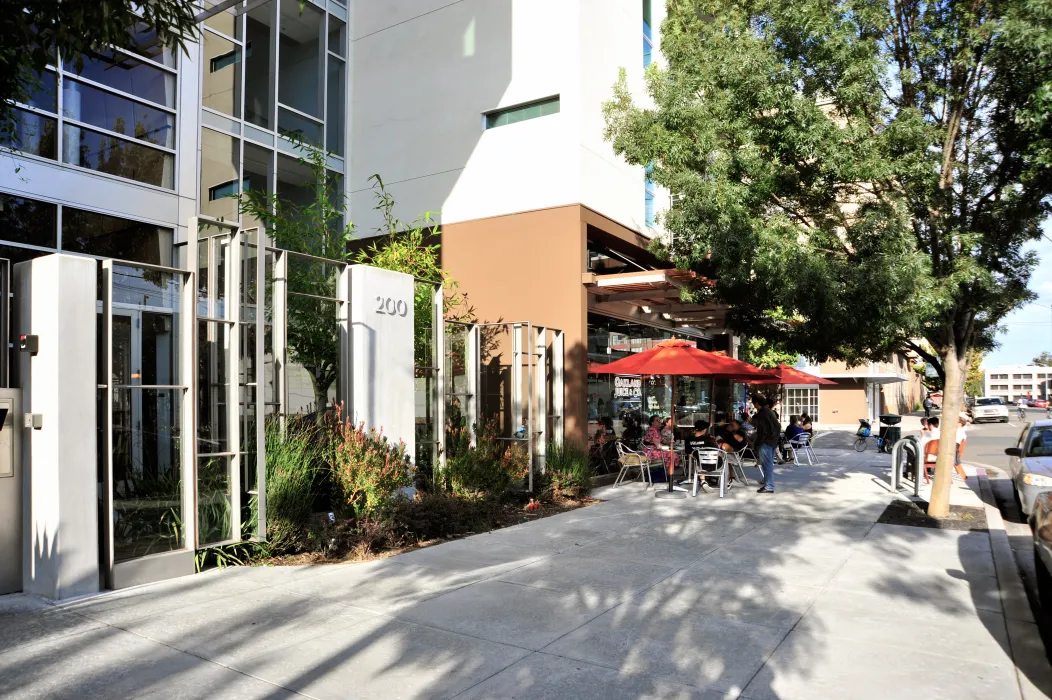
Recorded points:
(60, 553)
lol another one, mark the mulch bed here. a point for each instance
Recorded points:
(507, 515)
(913, 514)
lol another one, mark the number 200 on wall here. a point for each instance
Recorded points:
(391, 307)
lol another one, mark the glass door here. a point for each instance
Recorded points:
(147, 380)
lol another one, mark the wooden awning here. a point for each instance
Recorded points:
(653, 295)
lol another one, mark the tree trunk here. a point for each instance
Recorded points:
(955, 365)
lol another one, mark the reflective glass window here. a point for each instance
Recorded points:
(222, 75)
(220, 155)
(88, 104)
(127, 74)
(116, 156)
(32, 133)
(24, 220)
(300, 54)
(336, 108)
(298, 127)
(113, 237)
(259, 81)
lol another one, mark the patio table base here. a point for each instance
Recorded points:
(678, 493)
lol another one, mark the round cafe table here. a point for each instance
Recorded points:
(672, 491)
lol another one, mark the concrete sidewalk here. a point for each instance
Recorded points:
(795, 595)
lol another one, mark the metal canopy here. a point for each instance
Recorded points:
(653, 296)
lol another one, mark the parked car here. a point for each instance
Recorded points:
(1030, 402)
(990, 408)
(1040, 403)
(1030, 463)
(1041, 523)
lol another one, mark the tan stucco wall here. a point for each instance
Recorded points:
(844, 403)
(527, 267)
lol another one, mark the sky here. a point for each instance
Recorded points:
(1028, 331)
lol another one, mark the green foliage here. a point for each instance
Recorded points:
(234, 554)
(766, 353)
(213, 501)
(491, 466)
(440, 515)
(367, 470)
(567, 472)
(1043, 360)
(872, 170)
(32, 31)
(294, 453)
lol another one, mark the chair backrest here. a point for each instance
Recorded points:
(932, 448)
(708, 455)
(800, 440)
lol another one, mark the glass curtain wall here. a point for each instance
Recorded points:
(114, 114)
(273, 73)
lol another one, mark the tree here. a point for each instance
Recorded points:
(975, 380)
(871, 169)
(1043, 360)
(34, 31)
(765, 353)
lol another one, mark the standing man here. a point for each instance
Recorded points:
(927, 406)
(765, 438)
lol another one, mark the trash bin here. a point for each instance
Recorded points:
(890, 419)
(891, 435)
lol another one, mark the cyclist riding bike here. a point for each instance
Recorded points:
(1020, 409)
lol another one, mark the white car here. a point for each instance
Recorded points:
(1030, 463)
(990, 408)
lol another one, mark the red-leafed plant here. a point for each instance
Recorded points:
(368, 470)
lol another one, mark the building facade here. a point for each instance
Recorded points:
(489, 115)
(863, 391)
(1012, 382)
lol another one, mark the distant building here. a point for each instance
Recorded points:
(1011, 382)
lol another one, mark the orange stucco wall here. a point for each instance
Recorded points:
(527, 267)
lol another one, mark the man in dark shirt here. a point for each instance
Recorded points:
(765, 438)
(701, 437)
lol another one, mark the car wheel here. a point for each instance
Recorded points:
(1018, 501)
(1004, 420)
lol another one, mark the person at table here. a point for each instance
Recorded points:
(807, 425)
(604, 432)
(668, 437)
(719, 428)
(734, 438)
(701, 439)
(652, 439)
(632, 433)
(794, 430)
(927, 434)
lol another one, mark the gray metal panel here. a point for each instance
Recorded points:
(11, 494)
(157, 567)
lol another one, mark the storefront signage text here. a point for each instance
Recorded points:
(628, 388)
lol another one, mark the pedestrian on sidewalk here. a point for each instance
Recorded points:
(962, 437)
(928, 403)
(765, 438)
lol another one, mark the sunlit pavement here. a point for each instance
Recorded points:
(798, 594)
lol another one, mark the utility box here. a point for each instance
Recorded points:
(56, 309)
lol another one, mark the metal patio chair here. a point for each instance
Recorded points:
(629, 460)
(802, 443)
(707, 457)
(737, 460)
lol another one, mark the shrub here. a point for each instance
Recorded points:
(489, 467)
(367, 470)
(566, 470)
(439, 515)
(294, 453)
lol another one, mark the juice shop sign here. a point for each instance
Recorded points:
(628, 387)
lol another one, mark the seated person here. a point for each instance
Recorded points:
(793, 430)
(735, 438)
(632, 433)
(719, 428)
(604, 432)
(806, 424)
(700, 438)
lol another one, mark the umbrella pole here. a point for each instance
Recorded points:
(672, 444)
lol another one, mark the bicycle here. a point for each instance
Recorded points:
(865, 435)
(1020, 412)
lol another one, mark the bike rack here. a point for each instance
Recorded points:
(898, 460)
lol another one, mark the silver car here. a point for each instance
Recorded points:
(1030, 463)
(1041, 522)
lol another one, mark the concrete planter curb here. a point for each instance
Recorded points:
(1025, 644)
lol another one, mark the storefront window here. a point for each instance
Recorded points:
(625, 398)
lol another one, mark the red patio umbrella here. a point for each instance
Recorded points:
(789, 375)
(679, 358)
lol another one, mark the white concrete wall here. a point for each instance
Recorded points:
(425, 72)
(611, 37)
(1035, 387)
